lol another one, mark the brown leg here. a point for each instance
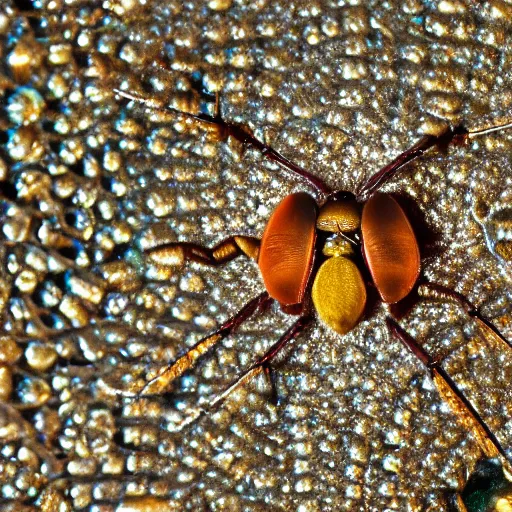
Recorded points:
(263, 364)
(457, 136)
(174, 370)
(226, 129)
(376, 181)
(449, 392)
(440, 292)
(178, 253)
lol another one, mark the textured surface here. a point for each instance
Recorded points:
(88, 183)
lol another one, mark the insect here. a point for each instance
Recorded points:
(309, 278)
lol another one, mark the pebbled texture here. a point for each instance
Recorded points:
(89, 183)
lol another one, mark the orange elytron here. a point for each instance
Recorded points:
(287, 248)
(376, 247)
(390, 248)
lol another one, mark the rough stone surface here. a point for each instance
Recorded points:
(90, 182)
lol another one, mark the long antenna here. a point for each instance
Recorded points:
(159, 106)
(486, 131)
(238, 132)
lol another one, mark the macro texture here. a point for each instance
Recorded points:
(91, 184)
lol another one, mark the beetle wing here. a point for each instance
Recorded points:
(390, 247)
(287, 246)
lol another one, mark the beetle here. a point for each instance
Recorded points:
(304, 273)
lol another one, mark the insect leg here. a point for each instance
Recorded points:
(263, 364)
(171, 372)
(377, 180)
(225, 129)
(228, 249)
(440, 292)
(458, 136)
(454, 397)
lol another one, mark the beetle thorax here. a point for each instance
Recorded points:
(339, 216)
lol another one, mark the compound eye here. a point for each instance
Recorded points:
(339, 216)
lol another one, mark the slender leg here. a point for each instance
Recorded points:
(228, 249)
(440, 292)
(376, 181)
(240, 133)
(171, 372)
(457, 136)
(454, 397)
(263, 364)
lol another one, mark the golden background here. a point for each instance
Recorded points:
(89, 182)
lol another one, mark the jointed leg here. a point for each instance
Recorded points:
(228, 249)
(376, 181)
(440, 292)
(457, 136)
(449, 391)
(263, 364)
(160, 383)
(225, 129)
